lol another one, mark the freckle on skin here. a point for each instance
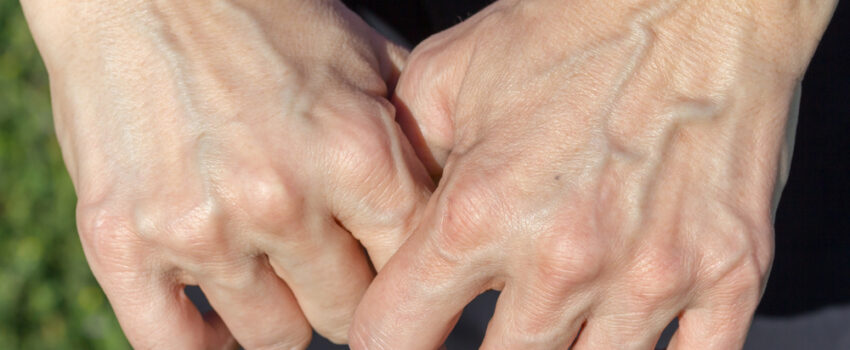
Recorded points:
(557, 177)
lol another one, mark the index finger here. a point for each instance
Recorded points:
(150, 305)
(418, 296)
(155, 313)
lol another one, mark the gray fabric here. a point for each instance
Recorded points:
(826, 329)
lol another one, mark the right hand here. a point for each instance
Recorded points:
(608, 165)
(233, 145)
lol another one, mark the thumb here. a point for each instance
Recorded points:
(424, 99)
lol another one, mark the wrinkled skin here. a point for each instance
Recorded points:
(244, 146)
(609, 166)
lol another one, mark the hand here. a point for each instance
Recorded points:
(608, 166)
(244, 146)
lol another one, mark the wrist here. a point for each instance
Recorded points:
(783, 33)
(68, 26)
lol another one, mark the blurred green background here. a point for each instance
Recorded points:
(48, 297)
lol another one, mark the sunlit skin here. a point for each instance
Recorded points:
(245, 146)
(609, 165)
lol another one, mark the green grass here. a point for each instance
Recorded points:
(48, 297)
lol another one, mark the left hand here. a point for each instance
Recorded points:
(609, 175)
(244, 146)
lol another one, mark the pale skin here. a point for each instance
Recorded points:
(608, 165)
(218, 144)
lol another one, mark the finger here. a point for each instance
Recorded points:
(414, 134)
(701, 329)
(328, 273)
(623, 329)
(155, 313)
(394, 59)
(415, 300)
(713, 325)
(424, 99)
(635, 315)
(150, 305)
(379, 187)
(387, 220)
(719, 317)
(257, 306)
(531, 318)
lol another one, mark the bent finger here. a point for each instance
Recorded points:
(707, 328)
(155, 313)
(257, 306)
(719, 319)
(527, 318)
(328, 272)
(624, 330)
(414, 301)
(379, 187)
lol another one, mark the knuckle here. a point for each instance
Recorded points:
(374, 148)
(365, 117)
(465, 219)
(363, 144)
(661, 274)
(761, 239)
(741, 287)
(568, 260)
(105, 235)
(737, 246)
(193, 231)
(420, 96)
(375, 171)
(93, 220)
(266, 197)
(411, 82)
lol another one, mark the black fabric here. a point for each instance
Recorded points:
(418, 19)
(812, 265)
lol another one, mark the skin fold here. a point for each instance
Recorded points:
(244, 146)
(609, 166)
